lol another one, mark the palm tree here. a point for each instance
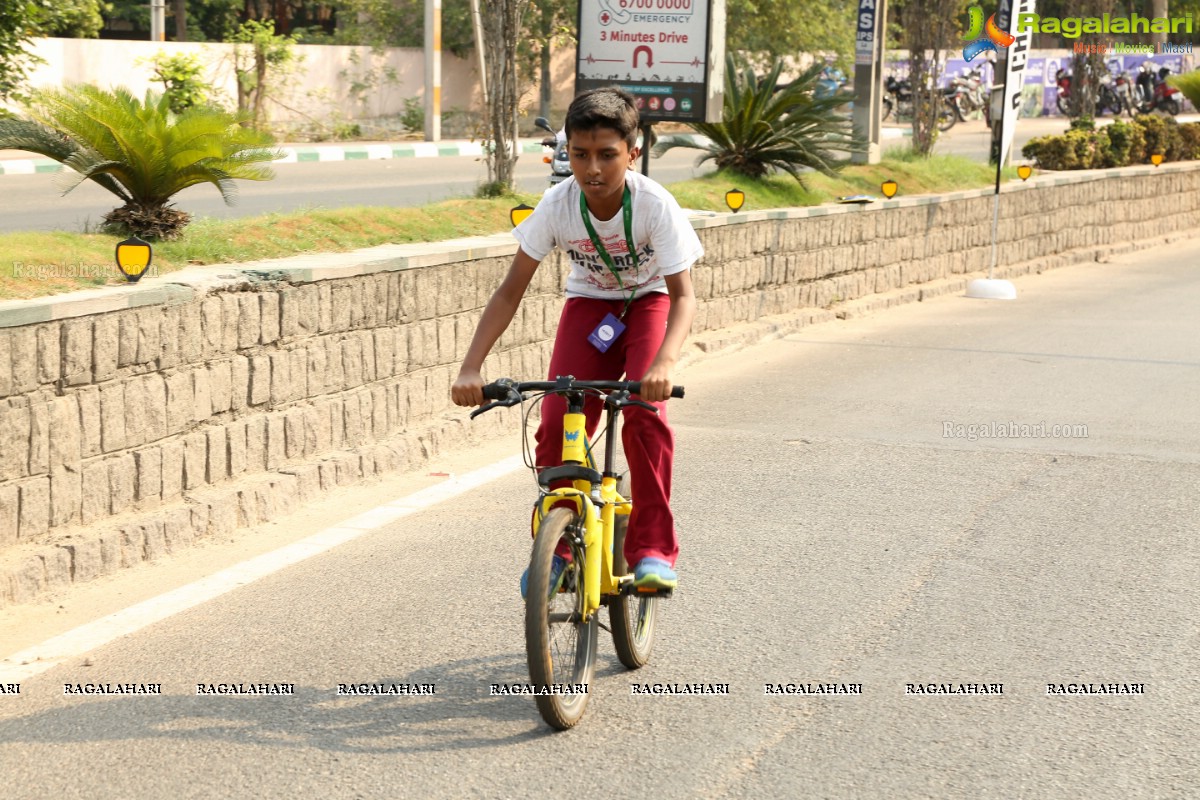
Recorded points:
(139, 150)
(767, 127)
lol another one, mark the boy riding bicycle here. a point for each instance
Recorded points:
(629, 308)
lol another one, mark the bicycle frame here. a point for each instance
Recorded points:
(597, 504)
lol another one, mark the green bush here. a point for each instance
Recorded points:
(182, 77)
(1122, 139)
(413, 117)
(1051, 152)
(1083, 143)
(1103, 157)
(1189, 138)
(1162, 136)
(1116, 145)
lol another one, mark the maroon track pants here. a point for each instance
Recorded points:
(647, 438)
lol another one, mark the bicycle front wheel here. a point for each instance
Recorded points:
(561, 648)
(631, 617)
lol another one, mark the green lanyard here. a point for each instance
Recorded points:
(627, 213)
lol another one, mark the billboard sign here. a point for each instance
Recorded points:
(669, 54)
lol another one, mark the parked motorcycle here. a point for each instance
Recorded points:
(831, 81)
(1124, 88)
(1161, 95)
(559, 159)
(898, 98)
(1145, 83)
(970, 96)
(1107, 97)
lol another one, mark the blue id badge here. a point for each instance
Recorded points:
(606, 333)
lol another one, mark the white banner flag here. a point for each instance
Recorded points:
(1015, 61)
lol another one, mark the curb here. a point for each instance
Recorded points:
(313, 154)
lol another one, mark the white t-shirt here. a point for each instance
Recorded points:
(665, 241)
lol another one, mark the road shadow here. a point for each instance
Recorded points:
(461, 715)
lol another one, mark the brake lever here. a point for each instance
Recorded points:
(622, 398)
(643, 404)
(484, 408)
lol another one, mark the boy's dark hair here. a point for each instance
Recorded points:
(609, 107)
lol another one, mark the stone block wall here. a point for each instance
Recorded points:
(136, 419)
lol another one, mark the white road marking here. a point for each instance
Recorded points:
(52, 652)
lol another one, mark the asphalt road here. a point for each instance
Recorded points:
(35, 202)
(838, 526)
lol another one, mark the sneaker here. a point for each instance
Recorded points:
(654, 573)
(558, 570)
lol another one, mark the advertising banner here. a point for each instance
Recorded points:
(664, 52)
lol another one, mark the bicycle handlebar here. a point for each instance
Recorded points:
(502, 389)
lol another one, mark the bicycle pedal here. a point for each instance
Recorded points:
(647, 591)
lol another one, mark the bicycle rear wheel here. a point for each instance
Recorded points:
(561, 649)
(630, 617)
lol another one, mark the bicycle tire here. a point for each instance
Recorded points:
(564, 651)
(631, 618)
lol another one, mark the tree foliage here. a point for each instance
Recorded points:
(381, 23)
(78, 19)
(551, 22)
(261, 59)
(786, 27)
(182, 77)
(16, 30)
(928, 29)
(139, 150)
(767, 128)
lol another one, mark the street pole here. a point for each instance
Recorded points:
(158, 20)
(868, 79)
(433, 70)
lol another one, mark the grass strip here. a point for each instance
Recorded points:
(35, 264)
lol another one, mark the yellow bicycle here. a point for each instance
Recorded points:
(585, 524)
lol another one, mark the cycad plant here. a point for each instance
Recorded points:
(767, 127)
(139, 150)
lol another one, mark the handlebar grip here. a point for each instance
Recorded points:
(495, 391)
(636, 388)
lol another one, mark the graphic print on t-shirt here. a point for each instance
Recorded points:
(583, 252)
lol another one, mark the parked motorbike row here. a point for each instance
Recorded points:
(963, 96)
(1119, 93)
(966, 94)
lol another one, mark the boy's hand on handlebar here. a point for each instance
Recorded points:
(656, 383)
(467, 389)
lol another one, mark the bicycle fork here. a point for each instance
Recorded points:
(596, 502)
